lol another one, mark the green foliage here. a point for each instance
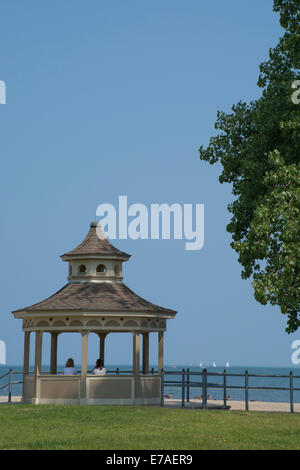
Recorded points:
(258, 145)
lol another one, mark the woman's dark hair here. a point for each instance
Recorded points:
(99, 364)
(70, 362)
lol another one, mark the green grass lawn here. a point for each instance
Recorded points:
(127, 427)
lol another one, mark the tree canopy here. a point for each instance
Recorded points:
(258, 146)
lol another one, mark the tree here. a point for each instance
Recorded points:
(258, 146)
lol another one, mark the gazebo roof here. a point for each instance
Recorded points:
(93, 245)
(97, 297)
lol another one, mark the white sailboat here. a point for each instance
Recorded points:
(214, 364)
(201, 364)
(227, 364)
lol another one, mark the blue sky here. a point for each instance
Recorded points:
(114, 98)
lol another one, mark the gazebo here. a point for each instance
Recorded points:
(94, 300)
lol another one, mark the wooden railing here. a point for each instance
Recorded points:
(11, 382)
(187, 380)
(202, 380)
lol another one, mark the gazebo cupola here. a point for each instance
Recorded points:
(95, 259)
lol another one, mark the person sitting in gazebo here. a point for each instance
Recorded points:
(69, 367)
(99, 368)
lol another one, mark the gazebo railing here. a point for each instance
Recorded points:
(11, 382)
(116, 371)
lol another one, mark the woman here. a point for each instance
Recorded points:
(99, 368)
(69, 367)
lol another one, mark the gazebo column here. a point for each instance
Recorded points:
(145, 353)
(53, 358)
(102, 337)
(136, 353)
(84, 335)
(160, 351)
(26, 352)
(37, 364)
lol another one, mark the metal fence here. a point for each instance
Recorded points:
(203, 380)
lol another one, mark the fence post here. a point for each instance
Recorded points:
(225, 388)
(10, 385)
(152, 371)
(246, 391)
(182, 387)
(291, 392)
(162, 389)
(188, 385)
(118, 371)
(204, 389)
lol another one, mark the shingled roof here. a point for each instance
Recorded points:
(100, 297)
(93, 245)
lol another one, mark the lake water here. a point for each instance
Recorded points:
(259, 395)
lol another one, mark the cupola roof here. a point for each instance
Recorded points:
(96, 244)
